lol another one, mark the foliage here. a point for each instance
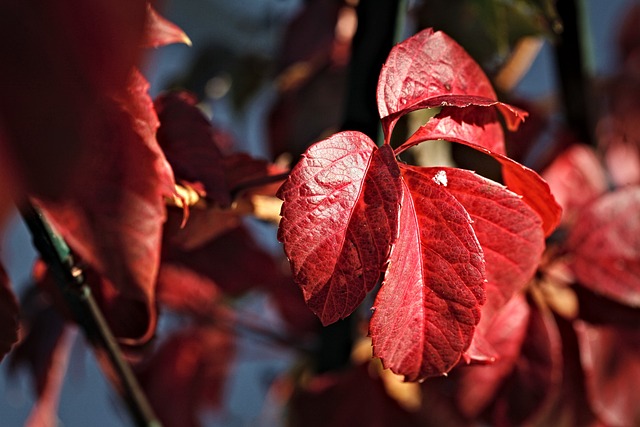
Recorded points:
(488, 302)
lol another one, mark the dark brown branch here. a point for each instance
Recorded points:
(570, 67)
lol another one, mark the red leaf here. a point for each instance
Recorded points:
(525, 378)
(431, 70)
(605, 245)
(189, 141)
(44, 351)
(138, 104)
(472, 123)
(508, 230)
(617, 131)
(339, 219)
(450, 125)
(160, 32)
(429, 304)
(44, 412)
(341, 400)
(233, 261)
(479, 385)
(9, 312)
(576, 168)
(112, 217)
(67, 56)
(132, 320)
(611, 360)
(623, 162)
(244, 172)
(187, 374)
(183, 290)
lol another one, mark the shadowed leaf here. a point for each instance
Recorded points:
(611, 360)
(186, 375)
(605, 246)
(340, 398)
(189, 141)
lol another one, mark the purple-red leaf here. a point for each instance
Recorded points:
(43, 352)
(605, 246)
(187, 374)
(429, 303)
(8, 315)
(576, 168)
(452, 125)
(431, 70)
(185, 291)
(611, 360)
(113, 214)
(353, 398)
(61, 58)
(232, 261)
(339, 219)
(526, 376)
(189, 141)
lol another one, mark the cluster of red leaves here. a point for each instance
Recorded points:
(566, 344)
(568, 353)
(450, 246)
(592, 274)
(453, 252)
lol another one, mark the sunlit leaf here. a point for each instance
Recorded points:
(429, 303)
(449, 125)
(339, 219)
(161, 32)
(431, 70)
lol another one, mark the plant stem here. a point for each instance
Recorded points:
(570, 66)
(377, 32)
(378, 22)
(77, 294)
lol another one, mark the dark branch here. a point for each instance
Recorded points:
(77, 294)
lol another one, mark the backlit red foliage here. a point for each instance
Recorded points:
(446, 271)
(351, 211)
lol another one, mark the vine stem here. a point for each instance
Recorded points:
(378, 29)
(78, 297)
(571, 72)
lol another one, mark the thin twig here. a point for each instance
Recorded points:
(77, 294)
